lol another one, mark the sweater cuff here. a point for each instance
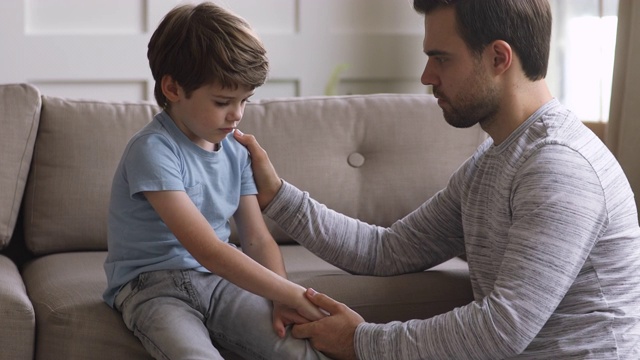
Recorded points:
(369, 342)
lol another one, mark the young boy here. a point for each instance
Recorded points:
(180, 286)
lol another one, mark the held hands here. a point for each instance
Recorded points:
(303, 312)
(264, 173)
(333, 334)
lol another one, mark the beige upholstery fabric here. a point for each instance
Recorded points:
(358, 146)
(384, 299)
(73, 321)
(70, 181)
(349, 154)
(17, 333)
(19, 118)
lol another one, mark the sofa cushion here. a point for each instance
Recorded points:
(79, 145)
(17, 333)
(74, 322)
(19, 118)
(372, 157)
(377, 299)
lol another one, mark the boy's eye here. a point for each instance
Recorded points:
(221, 103)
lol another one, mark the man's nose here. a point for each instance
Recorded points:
(428, 77)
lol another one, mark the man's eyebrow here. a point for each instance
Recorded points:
(435, 52)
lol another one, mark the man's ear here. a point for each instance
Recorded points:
(170, 88)
(501, 56)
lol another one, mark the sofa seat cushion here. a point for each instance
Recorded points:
(17, 334)
(19, 119)
(383, 299)
(73, 321)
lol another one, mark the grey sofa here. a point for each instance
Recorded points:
(374, 157)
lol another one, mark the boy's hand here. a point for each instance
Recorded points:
(284, 316)
(302, 312)
(334, 334)
(264, 173)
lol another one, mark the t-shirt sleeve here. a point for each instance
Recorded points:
(248, 186)
(152, 163)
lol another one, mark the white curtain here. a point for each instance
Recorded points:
(623, 133)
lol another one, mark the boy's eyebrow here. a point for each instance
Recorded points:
(232, 97)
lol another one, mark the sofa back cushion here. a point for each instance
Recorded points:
(373, 157)
(19, 118)
(78, 147)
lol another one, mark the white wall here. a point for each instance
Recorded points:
(97, 48)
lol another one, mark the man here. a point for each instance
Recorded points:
(542, 210)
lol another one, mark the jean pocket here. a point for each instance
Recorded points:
(128, 291)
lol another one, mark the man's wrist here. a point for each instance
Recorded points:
(266, 196)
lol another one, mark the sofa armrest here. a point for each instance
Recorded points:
(17, 333)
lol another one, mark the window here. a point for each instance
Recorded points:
(582, 53)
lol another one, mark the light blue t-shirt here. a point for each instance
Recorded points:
(160, 157)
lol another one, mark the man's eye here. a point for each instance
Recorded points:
(221, 104)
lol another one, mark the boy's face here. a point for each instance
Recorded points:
(210, 113)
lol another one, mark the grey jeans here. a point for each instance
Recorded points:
(184, 314)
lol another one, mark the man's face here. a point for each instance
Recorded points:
(461, 80)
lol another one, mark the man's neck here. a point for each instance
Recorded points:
(520, 103)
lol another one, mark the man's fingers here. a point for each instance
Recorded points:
(302, 331)
(323, 301)
(249, 141)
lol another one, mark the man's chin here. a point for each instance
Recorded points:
(457, 121)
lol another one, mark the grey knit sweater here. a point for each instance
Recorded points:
(549, 225)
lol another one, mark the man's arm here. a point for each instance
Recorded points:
(350, 244)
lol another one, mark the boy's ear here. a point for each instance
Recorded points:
(502, 56)
(170, 88)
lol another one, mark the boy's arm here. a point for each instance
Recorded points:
(257, 242)
(255, 238)
(193, 231)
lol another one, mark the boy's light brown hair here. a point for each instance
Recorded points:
(205, 44)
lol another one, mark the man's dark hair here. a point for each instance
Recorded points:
(524, 24)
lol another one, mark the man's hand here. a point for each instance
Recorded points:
(284, 316)
(334, 334)
(267, 180)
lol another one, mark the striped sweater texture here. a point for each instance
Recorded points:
(549, 225)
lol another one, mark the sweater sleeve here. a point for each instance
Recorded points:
(558, 212)
(409, 245)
